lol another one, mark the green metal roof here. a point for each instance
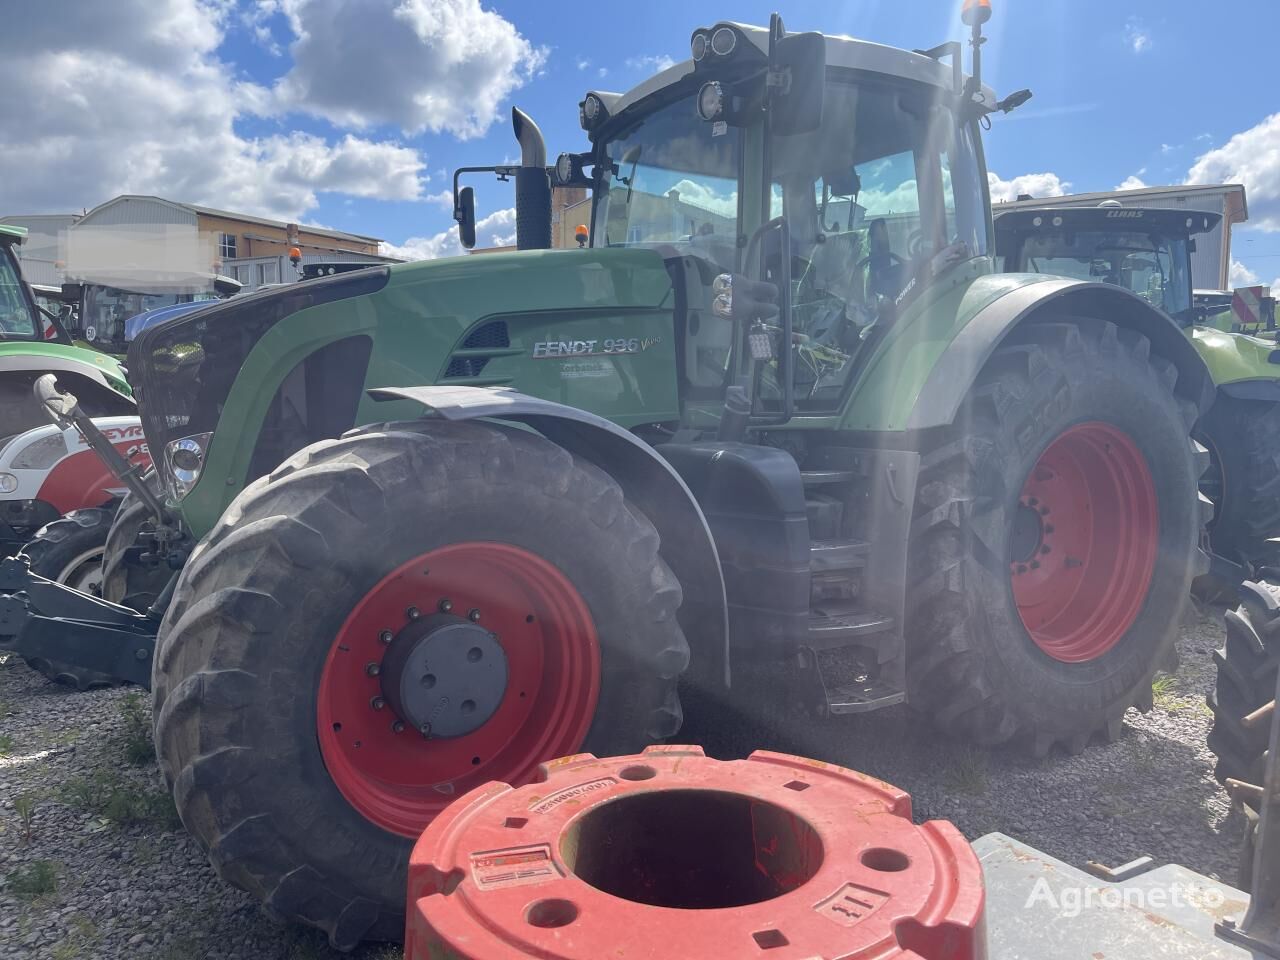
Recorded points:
(12, 234)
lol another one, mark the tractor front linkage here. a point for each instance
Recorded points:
(40, 618)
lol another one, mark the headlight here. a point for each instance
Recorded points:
(723, 41)
(698, 45)
(42, 454)
(711, 100)
(590, 111)
(722, 296)
(564, 167)
(8, 483)
(185, 460)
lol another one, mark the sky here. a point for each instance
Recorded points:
(352, 114)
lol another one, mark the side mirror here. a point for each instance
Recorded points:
(466, 217)
(800, 66)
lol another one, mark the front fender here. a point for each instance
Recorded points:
(1030, 297)
(646, 479)
(1241, 366)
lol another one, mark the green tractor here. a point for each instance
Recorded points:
(780, 439)
(1148, 251)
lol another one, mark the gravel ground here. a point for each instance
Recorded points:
(94, 863)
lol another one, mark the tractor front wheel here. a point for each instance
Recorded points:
(1055, 538)
(69, 551)
(385, 622)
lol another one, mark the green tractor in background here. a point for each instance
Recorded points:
(1148, 251)
(780, 442)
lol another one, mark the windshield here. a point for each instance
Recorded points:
(106, 309)
(1153, 267)
(671, 179)
(16, 320)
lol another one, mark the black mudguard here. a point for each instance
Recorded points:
(647, 480)
(955, 372)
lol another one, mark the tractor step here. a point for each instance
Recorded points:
(826, 556)
(863, 697)
(843, 681)
(826, 516)
(843, 624)
(818, 478)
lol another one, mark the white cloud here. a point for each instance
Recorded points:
(1251, 158)
(142, 104)
(1037, 185)
(1241, 276)
(1136, 35)
(702, 196)
(420, 65)
(582, 64)
(1167, 148)
(255, 18)
(443, 199)
(654, 63)
(496, 230)
(602, 72)
(1133, 182)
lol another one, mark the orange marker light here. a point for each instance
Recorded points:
(975, 12)
(295, 254)
(580, 234)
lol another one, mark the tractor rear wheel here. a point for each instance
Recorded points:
(1243, 481)
(69, 550)
(385, 622)
(1055, 538)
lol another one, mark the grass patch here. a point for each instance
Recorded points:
(1164, 693)
(967, 770)
(6, 744)
(80, 942)
(119, 801)
(138, 748)
(24, 805)
(35, 881)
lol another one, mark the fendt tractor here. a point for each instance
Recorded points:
(1148, 251)
(428, 525)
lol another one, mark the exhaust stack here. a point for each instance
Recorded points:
(533, 185)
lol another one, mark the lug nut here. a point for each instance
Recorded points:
(1022, 568)
(446, 605)
(425, 730)
(385, 636)
(372, 669)
(1044, 511)
(1032, 501)
(1045, 548)
(413, 613)
(377, 703)
(473, 615)
(397, 726)
(1048, 528)
(1035, 564)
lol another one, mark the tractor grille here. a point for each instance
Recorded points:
(489, 336)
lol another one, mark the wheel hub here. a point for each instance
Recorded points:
(444, 676)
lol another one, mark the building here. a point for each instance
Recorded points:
(1211, 261)
(41, 256)
(134, 238)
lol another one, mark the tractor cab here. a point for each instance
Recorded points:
(801, 189)
(1146, 251)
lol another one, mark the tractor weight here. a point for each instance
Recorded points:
(673, 854)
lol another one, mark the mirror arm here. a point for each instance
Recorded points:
(503, 173)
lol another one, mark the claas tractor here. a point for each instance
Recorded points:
(779, 440)
(1148, 251)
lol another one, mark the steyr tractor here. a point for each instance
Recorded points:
(780, 436)
(1149, 252)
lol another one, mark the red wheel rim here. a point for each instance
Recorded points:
(401, 780)
(1083, 545)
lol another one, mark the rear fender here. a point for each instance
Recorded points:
(647, 480)
(951, 377)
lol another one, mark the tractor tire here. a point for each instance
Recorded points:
(1247, 665)
(1054, 539)
(131, 584)
(1243, 481)
(69, 550)
(276, 725)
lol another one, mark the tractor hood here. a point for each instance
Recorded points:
(592, 328)
(16, 355)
